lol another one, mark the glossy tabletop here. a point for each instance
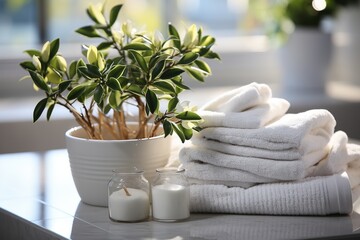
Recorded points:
(38, 200)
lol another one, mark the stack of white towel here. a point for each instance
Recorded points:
(254, 158)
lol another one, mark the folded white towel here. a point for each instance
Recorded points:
(302, 153)
(340, 156)
(354, 149)
(354, 177)
(303, 132)
(206, 164)
(254, 117)
(215, 182)
(312, 196)
(239, 99)
(224, 176)
(231, 226)
(250, 106)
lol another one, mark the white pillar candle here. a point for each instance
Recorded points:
(170, 202)
(129, 208)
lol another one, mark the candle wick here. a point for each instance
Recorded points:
(126, 191)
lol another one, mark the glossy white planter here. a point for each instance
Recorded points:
(92, 161)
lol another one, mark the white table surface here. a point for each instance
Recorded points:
(38, 200)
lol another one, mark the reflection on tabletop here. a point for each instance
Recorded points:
(214, 226)
(50, 200)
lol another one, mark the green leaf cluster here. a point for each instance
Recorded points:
(126, 67)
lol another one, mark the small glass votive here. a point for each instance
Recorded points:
(128, 196)
(170, 195)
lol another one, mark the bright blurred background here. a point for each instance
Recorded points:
(248, 33)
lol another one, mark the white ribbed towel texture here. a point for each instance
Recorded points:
(250, 106)
(353, 170)
(313, 196)
(253, 158)
(208, 164)
(303, 133)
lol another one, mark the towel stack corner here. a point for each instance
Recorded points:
(254, 158)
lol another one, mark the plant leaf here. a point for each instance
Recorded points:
(114, 84)
(114, 12)
(54, 48)
(64, 85)
(188, 58)
(188, 115)
(117, 71)
(96, 14)
(203, 66)
(152, 101)
(94, 70)
(76, 92)
(88, 31)
(164, 86)
(196, 73)
(135, 89)
(212, 55)
(72, 69)
(167, 128)
(174, 33)
(123, 81)
(188, 133)
(39, 108)
(140, 60)
(172, 104)
(159, 67)
(87, 73)
(178, 132)
(98, 94)
(207, 41)
(179, 84)
(50, 110)
(32, 52)
(39, 80)
(28, 65)
(137, 47)
(114, 99)
(104, 46)
(172, 72)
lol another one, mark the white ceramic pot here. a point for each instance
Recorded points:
(305, 61)
(92, 161)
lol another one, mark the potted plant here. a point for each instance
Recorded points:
(302, 29)
(127, 70)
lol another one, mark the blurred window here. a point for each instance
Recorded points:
(31, 22)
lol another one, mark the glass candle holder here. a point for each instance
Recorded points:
(128, 196)
(170, 195)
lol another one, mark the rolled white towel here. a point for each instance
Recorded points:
(354, 149)
(340, 156)
(312, 196)
(354, 177)
(254, 117)
(303, 132)
(249, 106)
(353, 168)
(239, 99)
